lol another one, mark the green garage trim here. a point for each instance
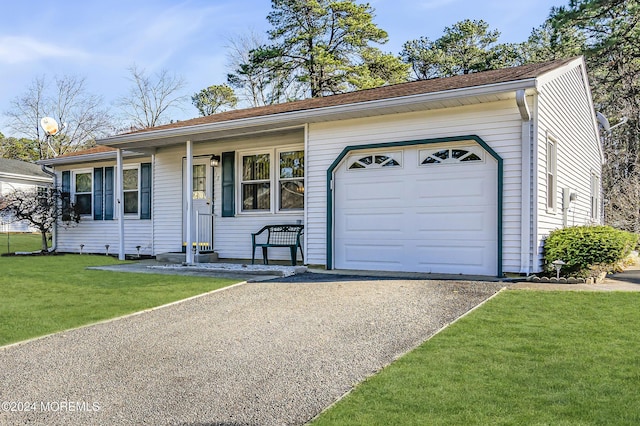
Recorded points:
(348, 149)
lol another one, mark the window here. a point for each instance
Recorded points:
(271, 180)
(130, 187)
(82, 192)
(552, 164)
(256, 182)
(448, 155)
(199, 181)
(595, 197)
(291, 188)
(92, 191)
(375, 161)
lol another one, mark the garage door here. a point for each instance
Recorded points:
(430, 208)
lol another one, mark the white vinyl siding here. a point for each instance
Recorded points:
(564, 111)
(497, 123)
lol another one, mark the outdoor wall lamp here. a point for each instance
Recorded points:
(215, 160)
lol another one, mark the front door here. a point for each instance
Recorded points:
(202, 195)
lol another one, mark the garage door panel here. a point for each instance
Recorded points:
(378, 255)
(373, 223)
(453, 259)
(452, 222)
(371, 190)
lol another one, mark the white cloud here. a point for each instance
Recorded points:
(14, 50)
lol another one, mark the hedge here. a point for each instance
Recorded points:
(584, 248)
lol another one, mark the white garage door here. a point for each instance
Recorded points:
(420, 209)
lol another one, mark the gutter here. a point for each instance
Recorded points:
(54, 231)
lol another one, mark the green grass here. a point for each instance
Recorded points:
(44, 294)
(14, 242)
(534, 358)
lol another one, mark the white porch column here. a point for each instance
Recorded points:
(120, 203)
(189, 195)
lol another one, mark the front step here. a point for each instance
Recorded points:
(208, 257)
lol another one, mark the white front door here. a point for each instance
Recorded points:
(202, 195)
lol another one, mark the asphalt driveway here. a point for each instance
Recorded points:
(256, 354)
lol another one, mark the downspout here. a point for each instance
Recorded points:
(54, 230)
(525, 190)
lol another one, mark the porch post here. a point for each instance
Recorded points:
(189, 195)
(120, 203)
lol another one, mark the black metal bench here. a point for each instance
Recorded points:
(278, 236)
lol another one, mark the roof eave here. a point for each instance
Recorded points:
(86, 158)
(137, 140)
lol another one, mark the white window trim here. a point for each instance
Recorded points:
(274, 180)
(75, 172)
(278, 179)
(130, 215)
(554, 171)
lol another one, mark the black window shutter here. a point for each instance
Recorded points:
(145, 191)
(98, 200)
(66, 195)
(108, 193)
(228, 184)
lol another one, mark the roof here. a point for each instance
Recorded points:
(18, 168)
(525, 72)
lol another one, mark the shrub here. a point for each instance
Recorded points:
(584, 248)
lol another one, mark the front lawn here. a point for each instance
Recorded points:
(45, 294)
(13, 242)
(525, 357)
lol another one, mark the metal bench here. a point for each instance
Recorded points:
(278, 236)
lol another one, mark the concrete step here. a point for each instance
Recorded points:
(179, 258)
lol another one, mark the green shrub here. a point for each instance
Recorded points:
(584, 248)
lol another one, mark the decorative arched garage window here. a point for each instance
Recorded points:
(375, 161)
(449, 155)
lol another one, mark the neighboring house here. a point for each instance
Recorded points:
(466, 174)
(23, 176)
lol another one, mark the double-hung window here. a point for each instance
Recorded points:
(552, 167)
(291, 187)
(595, 197)
(131, 193)
(272, 180)
(82, 186)
(256, 182)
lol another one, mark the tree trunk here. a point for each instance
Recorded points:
(45, 246)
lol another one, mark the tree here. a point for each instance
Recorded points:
(213, 98)
(81, 115)
(22, 149)
(260, 82)
(40, 207)
(319, 42)
(611, 33)
(378, 69)
(151, 99)
(465, 47)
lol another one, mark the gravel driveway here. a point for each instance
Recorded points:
(271, 353)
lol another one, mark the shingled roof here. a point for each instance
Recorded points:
(21, 168)
(504, 75)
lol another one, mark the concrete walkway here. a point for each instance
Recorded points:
(255, 354)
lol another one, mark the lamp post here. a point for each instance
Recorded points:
(558, 265)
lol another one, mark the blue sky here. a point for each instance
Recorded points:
(100, 40)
